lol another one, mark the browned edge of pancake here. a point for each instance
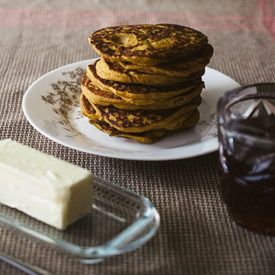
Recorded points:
(103, 98)
(134, 92)
(147, 44)
(112, 72)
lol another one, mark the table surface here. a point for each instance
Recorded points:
(195, 236)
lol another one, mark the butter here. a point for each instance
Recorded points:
(42, 186)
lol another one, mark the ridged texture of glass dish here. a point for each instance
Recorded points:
(120, 221)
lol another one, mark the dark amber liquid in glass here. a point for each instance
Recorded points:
(248, 189)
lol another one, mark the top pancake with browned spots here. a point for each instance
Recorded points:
(147, 44)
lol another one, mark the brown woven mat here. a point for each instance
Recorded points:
(196, 235)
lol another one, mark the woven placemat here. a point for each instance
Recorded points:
(196, 236)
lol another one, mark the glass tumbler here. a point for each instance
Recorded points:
(246, 132)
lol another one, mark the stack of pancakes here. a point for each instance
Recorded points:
(147, 83)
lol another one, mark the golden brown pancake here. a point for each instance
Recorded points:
(149, 136)
(96, 95)
(147, 44)
(143, 120)
(103, 98)
(114, 72)
(86, 108)
(139, 94)
(142, 137)
(148, 82)
(180, 67)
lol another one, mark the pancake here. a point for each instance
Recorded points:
(86, 108)
(147, 44)
(148, 137)
(144, 137)
(139, 94)
(148, 81)
(103, 98)
(181, 67)
(144, 120)
(113, 71)
(96, 95)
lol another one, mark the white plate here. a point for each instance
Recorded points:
(51, 105)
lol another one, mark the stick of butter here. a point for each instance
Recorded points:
(42, 186)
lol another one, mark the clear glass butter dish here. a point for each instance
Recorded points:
(120, 221)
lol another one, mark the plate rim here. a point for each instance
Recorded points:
(144, 157)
